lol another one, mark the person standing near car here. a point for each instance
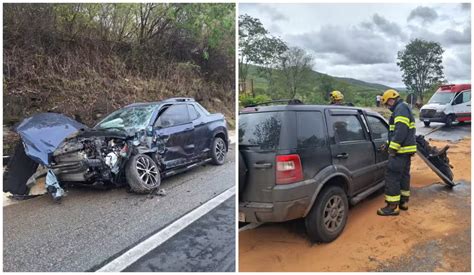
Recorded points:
(337, 98)
(401, 147)
(377, 100)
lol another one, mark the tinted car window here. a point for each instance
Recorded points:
(310, 129)
(377, 128)
(260, 129)
(347, 128)
(174, 115)
(193, 114)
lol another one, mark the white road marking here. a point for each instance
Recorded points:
(250, 226)
(141, 249)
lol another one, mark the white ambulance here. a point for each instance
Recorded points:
(450, 103)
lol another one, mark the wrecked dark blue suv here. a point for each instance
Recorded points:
(137, 145)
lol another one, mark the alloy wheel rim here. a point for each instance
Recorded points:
(333, 213)
(147, 171)
(220, 150)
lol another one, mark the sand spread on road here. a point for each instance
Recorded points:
(368, 240)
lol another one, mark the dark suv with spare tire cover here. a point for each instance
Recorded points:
(309, 161)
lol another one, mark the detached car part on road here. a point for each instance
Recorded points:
(137, 145)
(309, 161)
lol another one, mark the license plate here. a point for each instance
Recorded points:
(241, 217)
(426, 120)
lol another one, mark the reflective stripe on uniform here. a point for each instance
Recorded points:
(403, 119)
(393, 145)
(391, 127)
(392, 198)
(412, 125)
(405, 193)
(407, 149)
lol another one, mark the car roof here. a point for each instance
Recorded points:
(302, 107)
(169, 100)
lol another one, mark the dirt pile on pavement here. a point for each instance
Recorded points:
(370, 242)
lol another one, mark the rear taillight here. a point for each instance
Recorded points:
(288, 169)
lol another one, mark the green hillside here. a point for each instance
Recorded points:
(358, 92)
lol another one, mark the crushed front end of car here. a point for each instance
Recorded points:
(91, 157)
(68, 152)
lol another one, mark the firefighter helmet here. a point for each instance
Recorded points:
(336, 96)
(390, 93)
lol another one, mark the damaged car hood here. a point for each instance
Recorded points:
(43, 133)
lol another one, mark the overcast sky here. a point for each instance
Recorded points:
(362, 40)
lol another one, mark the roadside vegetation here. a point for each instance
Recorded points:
(86, 60)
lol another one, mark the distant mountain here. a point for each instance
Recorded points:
(362, 83)
(350, 83)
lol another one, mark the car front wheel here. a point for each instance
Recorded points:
(449, 120)
(218, 151)
(328, 217)
(142, 173)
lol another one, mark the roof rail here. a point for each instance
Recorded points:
(178, 99)
(287, 101)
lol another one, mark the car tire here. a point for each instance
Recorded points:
(142, 173)
(449, 121)
(218, 151)
(427, 123)
(331, 206)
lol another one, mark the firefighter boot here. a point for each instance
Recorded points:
(391, 209)
(403, 203)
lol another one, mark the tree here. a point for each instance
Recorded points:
(251, 32)
(258, 47)
(326, 85)
(272, 49)
(420, 63)
(296, 67)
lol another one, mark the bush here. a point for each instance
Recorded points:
(246, 100)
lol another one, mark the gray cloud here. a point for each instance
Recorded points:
(447, 38)
(465, 6)
(425, 14)
(387, 27)
(457, 63)
(353, 45)
(272, 12)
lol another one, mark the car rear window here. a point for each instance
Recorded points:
(260, 129)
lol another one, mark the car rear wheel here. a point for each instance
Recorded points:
(328, 217)
(219, 151)
(142, 173)
(427, 123)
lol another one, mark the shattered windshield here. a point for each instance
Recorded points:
(129, 119)
(441, 98)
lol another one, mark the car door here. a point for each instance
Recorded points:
(174, 128)
(311, 142)
(201, 132)
(351, 148)
(379, 135)
(462, 106)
